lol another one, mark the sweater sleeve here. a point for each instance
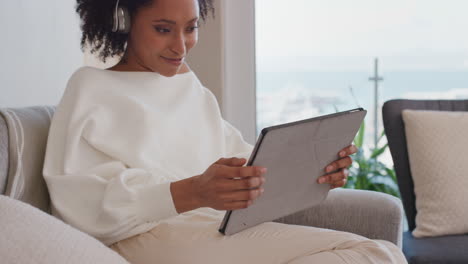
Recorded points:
(236, 146)
(96, 182)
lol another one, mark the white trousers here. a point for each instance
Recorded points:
(193, 238)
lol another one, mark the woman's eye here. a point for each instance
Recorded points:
(192, 29)
(162, 29)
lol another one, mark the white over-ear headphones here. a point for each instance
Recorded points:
(121, 21)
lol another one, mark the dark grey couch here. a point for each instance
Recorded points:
(445, 249)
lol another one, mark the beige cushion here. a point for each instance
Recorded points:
(32, 236)
(438, 154)
(28, 128)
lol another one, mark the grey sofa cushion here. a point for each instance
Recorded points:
(367, 213)
(3, 155)
(435, 250)
(28, 129)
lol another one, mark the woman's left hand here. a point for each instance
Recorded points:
(337, 172)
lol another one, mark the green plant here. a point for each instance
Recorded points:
(367, 172)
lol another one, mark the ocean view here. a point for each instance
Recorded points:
(288, 96)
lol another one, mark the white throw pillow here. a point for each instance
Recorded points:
(438, 154)
(31, 236)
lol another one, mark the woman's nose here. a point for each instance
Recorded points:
(178, 45)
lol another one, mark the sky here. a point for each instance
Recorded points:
(332, 34)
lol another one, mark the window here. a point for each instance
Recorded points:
(317, 57)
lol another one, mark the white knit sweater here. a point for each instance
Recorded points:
(117, 141)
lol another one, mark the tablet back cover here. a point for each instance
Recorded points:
(295, 155)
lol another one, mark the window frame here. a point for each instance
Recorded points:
(239, 89)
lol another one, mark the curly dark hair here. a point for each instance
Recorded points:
(96, 24)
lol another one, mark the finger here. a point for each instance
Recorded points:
(233, 162)
(349, 150)
(241, 184)
(237, 205)
(339, 181)
(339, 164)
(244, 195)
(241, 172)
(252, 171)
(334, 177)
(338, 184)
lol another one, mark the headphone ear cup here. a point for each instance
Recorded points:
(124, 20)
(125, 23)
(121, 23)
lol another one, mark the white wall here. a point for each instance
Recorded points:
(239, 95)
(39, 50)
(206, 58)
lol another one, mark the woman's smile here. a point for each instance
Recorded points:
(173, 61)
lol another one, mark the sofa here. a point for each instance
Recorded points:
(439, 249)
(34, 236)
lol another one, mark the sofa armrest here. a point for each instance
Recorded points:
(370, 214)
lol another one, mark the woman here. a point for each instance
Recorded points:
(139, 156)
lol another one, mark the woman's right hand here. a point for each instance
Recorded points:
(227, 185)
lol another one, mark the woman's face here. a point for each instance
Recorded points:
(161, 35)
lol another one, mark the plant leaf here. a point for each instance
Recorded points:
(381, 136)
(367, 173)
(359, 140)
(378, 151)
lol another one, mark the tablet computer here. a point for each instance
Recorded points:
(295, 155)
